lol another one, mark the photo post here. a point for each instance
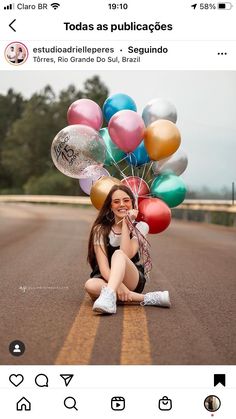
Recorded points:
(117, 208)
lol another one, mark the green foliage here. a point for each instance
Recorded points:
(52, 183)
(11, 108)
(27, 128)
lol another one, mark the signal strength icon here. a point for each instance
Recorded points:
(9, 6)
(55, 5)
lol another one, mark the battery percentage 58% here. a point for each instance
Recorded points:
(207, 6)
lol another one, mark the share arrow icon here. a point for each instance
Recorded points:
(194, 6)
(67, 378)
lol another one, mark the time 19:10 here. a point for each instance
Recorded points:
(115, 6)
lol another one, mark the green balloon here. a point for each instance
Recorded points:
(170, 188)
(113, 153)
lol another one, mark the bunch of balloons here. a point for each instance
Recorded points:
(148, 144)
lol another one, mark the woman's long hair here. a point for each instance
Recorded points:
(104, 222)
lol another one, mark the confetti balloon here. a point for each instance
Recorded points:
(76, 147)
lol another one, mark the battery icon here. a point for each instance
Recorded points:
(225, 6)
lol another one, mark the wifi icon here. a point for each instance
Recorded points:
(55, 5)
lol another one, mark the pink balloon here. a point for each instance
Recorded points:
(94, 173)
(85, 112)
(126, 129)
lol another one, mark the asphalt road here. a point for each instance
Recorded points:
(42, 300)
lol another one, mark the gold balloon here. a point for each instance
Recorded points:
(161, 138)
(101, 189)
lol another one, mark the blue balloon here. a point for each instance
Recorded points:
(117, 102)
(139, 156)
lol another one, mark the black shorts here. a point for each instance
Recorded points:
(141, 281)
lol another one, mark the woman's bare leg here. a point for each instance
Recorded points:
(93, 286)
(124, 271)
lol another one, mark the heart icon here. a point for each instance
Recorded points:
(16, 380)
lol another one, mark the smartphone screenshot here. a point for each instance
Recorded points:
(117, 209)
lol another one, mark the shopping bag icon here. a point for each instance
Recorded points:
(165, 403)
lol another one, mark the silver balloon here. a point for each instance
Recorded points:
(159, 109)
(76, 147)
(175, 164)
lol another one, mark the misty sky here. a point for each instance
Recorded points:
(205, 101)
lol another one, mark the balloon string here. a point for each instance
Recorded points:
(150, 166)
(127, 167)
(145, 165)
(116, 165)
(135, 186)
(141, 177)
(145, 196)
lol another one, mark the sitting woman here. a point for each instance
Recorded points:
(114, 249)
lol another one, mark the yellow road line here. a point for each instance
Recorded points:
(135, 346)
(78, 346)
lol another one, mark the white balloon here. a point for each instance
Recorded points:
(175, 164)
(159, 109)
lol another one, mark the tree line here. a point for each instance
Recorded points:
(27, 128)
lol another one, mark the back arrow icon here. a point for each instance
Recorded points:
(12, 26)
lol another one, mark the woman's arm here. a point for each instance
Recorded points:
(102, 261)
(129, 246)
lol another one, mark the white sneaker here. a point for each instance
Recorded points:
(106, 302)
(157, 298)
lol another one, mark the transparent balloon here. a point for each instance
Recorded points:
(76, 147)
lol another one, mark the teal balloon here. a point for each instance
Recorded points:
(113, 153)
(170, 188)
(117, 102)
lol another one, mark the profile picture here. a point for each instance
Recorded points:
(16, 53)
(212, 403)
